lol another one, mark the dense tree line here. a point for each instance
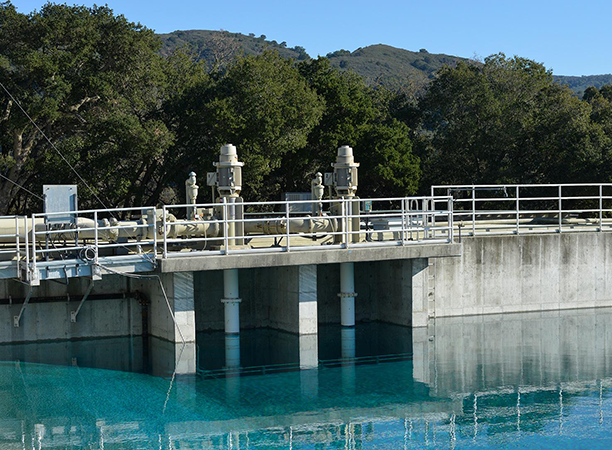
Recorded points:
(133, 123)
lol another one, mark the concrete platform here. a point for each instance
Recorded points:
(186, 263)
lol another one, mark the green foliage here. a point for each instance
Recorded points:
(507, 121)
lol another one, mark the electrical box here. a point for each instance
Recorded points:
(60, 198)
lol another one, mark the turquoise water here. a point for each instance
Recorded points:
(536, 381)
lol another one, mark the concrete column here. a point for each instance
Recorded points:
(179, 289)
(419, 292)
(232, 351)
(180, 303)
(347, 294)
(231, 301)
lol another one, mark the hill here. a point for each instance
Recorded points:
(379, 64)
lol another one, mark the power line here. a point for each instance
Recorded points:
(53, 146)
(21, 187)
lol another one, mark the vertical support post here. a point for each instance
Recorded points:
(450, 221)
(518, 208)
(95, 240)
(355, 221)
(473, 210)
(347, 223)
(288, 247)
(560, 210)
(601, 207)
(225, 226)
(403, 221)
(154, 229)
(27, 244)
(231, 301)
(347, 294)
(34, 247)
(165, 235)
(17, 248)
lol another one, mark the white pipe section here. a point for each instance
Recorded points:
(232, 351)
(231, 301)
(347, 294)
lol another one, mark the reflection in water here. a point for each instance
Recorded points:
(529, 380)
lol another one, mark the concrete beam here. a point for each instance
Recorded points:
(186, 263)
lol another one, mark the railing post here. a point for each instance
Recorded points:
(560, 209)
(225, 226)
(96, 240)
(288, 246)
(165, 233)
(473, 210)
(404, 221)
(518, 208)
(154, 225)
(18, 247)
(451, 220)
(601, 207)
(27, 243)
(33, 245)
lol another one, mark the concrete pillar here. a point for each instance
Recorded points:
(347, 294)
(347, 342)
(419, 291)
(180, 303)
(232, 351)
(231, 301)
(179, 289)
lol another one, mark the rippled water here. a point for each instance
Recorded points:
(519, 381)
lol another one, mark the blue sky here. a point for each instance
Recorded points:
(570, 37)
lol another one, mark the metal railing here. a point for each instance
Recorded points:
(530, 208)
(235, 228)
(14, 256)
(96, 237)
(93, 234)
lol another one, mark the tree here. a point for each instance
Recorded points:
(263, 106)
(94, 83)
(359, 116)
(505, 121)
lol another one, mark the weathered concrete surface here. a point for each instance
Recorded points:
(525, 273)
(393, 291)
(297, 258)
(539, 349)
(180, 293)
(284, 298)
(109, 311)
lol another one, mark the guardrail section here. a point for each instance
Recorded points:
(530, 208)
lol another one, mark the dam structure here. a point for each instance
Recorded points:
(324, 257)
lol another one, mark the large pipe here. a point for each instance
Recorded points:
(231, 301)
(347, 294)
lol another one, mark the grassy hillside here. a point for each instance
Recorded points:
(579, 84)
(392, 67)
(379, 64)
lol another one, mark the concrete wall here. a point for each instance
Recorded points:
(108, 312)
(525, 273)
(393, 291)
(283, 298)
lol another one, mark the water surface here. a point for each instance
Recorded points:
(519, 381)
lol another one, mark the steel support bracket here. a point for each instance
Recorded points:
(17, 319)
(74, 314)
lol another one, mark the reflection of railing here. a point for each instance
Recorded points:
(529, 208)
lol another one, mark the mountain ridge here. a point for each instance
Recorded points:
(379, 64)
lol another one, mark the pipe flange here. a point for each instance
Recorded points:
(231, 300)
(347, 294)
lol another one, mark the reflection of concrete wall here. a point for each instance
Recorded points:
(525, 273)
(480, 353)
